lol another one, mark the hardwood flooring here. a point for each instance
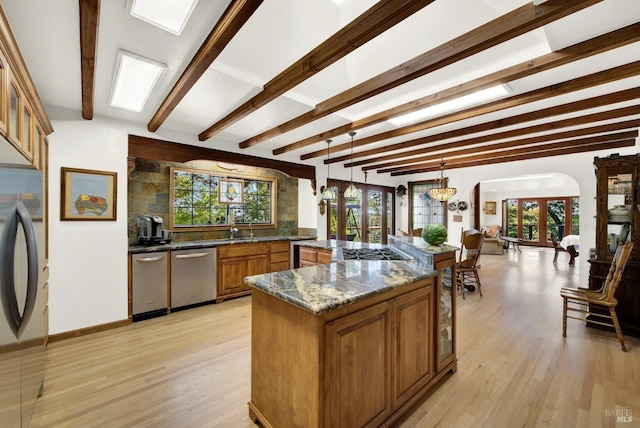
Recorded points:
(192, 368)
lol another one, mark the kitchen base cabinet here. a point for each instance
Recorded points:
(361, 365)
(279, 256)
(236, 261)
(310, 256)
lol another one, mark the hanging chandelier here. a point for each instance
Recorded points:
(328, 194)
(442, 193)
(352, 190)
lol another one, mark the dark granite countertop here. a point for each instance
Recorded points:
(323, 288)
(135, 249)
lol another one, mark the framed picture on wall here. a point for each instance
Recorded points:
(88, 194)
(230, 191)
(490, 207)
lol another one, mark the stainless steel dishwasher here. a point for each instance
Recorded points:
(149, 284)
(193, 276)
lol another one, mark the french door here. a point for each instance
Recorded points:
(534, 219)
(369, 217)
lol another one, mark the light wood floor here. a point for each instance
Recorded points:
(192, 368)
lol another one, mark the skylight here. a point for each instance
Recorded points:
(170, 15)
(134, 79)
(485, 95)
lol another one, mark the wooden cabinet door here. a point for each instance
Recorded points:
(231, 273)
(412, 350)
(308, 256)
(256, 265)
(358, 365)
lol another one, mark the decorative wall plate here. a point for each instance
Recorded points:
(462, 205)
(452, 206)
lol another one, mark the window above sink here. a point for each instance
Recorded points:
(204, 199)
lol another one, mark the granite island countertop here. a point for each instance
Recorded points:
(323, 288)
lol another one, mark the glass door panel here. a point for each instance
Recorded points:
(530, 220)
(556, 219)
(575, 216)
(374, 214)
(619, 210)
(354, 218)
(512, 218)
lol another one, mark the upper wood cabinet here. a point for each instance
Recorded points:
(21, 110)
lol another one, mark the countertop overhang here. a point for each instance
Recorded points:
(323, 288)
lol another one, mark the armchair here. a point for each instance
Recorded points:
(492, 243)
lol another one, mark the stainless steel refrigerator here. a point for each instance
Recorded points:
(22, 329)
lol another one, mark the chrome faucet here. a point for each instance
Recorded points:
(233, 229)
(251, 229)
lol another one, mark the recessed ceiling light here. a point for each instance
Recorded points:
(170, 15)
(134, 78)
(485, 95)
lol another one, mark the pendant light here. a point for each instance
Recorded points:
(328, 194)
(442, 193)
(352, 190)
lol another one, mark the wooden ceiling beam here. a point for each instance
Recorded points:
(89, 19)
(545, 127)
(517, 22)
(455, 148)
(526, 145)
(509, 156)
(233, 19)
(594, 46)
(584, 82)
(376, 20)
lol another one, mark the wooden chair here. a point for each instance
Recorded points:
(588, 302)
(467, 266)
(558, 249)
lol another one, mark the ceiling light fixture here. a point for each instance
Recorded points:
(134, 79)
(170, 15)
(442, 193)
(327, 193)
(352, 190)
(485, 95)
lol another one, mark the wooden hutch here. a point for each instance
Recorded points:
(618, 218)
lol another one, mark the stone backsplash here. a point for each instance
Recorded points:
(148, 194)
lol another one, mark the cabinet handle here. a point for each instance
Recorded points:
(192, 256)
(149, 260)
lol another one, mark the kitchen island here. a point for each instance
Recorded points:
(349, 343)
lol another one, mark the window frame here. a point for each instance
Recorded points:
(273, 196)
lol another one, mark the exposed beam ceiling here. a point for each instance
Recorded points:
(594, 46)
(513, 24)
(382, 16)
(232, 20)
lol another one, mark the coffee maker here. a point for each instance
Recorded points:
(150, 231)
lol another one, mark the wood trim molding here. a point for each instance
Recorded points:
(88, 330)
(596, 45)
(89, 19)
(377, 19)
(150, 148)
(11, 51)
(232, 20)
(517, 22)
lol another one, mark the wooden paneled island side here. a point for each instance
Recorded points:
(345, 344)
